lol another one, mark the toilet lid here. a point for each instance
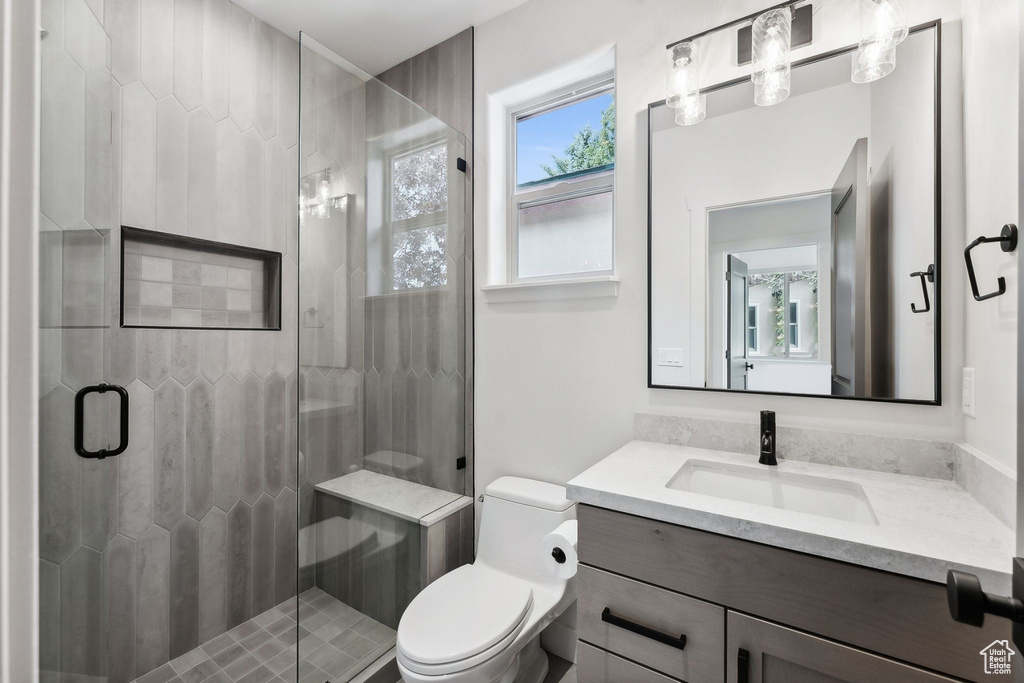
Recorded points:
(462, 614)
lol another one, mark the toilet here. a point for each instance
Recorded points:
(481, 623)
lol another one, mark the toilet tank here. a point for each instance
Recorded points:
(517, 514)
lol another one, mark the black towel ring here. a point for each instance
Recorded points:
(1008, 242)
(928, 275)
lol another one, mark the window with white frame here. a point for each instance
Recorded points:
(418, 216)
(753, 330)
(794, 324)
(561, 184)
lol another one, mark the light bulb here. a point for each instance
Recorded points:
(770, 47)
(682, 78)
(884, 21)
(872, 60)
(883, 26)
(692, 109)
(773, 87)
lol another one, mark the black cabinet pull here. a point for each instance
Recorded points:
(645, 631)
(1008, 242)
(80, 421)
(969, 604)
(742, 666)
(928, 275)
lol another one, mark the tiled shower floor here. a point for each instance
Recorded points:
(336, 643)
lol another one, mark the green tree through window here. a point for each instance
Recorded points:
(589, 148)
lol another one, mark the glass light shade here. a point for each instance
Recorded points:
(771, 38)
(773, 86)
(692, 109)
(873, 60)
(682, 78)
(884, 21)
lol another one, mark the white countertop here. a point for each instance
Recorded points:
(398, 497)
(925, 526)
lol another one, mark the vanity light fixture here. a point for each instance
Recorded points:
(763, 40)
(683, 84)
(883, 26)
(770, 56)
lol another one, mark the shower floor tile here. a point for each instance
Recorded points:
(335, 642)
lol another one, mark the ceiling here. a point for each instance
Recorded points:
(376, 34)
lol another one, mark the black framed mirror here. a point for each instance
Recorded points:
(790, 247)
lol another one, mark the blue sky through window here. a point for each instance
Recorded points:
(540, 137)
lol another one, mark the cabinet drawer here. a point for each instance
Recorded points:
(894, 615)
(657, 610)
(760, 652)
(597, 666)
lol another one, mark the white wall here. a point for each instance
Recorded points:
(991, 48)
(558, 382)
(902, 189)
(19, 211)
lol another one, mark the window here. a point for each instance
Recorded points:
(418, 216)
(561, 179)
(790, 300)
(794, 325)
(752, 331)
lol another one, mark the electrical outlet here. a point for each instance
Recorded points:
(968, 392)
(670, 358)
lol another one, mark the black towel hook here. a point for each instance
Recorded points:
(924, 275)
(1008, 242)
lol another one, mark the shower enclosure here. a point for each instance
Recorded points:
(225, 495)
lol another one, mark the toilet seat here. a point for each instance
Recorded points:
(464, 618)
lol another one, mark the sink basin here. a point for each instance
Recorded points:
(822, 496)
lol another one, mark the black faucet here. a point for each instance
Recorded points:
(768, 438)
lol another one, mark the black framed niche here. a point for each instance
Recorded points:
(178, 282)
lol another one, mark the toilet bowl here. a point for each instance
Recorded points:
(481, 623)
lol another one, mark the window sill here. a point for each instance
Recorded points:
(553, 290)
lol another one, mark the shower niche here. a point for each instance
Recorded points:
(173, 281)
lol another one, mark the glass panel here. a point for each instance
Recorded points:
(152, 555)
(567, 141)
(381, 333)
(79, 552)
(566, 236)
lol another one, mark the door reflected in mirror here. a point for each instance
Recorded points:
(786, 240)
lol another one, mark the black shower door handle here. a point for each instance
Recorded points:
(80, 420)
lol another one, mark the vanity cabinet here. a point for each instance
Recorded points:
(763, 652)
(752, 613)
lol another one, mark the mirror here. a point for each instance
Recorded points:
(794, 248)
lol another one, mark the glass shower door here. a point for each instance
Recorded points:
(79, 412)
(382, 357)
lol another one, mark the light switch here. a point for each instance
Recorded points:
(968, 392)
(670, 358)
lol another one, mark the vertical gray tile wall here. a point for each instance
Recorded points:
(192, 530)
